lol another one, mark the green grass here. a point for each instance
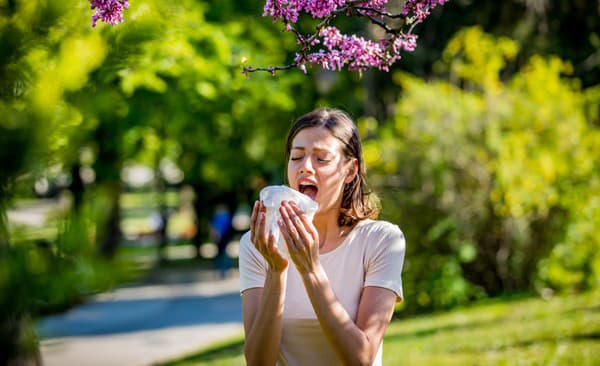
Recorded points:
(558, 331)
(222, 354)
(532, 331)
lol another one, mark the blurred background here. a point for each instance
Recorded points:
(127, 148)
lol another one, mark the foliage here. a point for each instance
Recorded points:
(188, 102)
(486, 176)
(563, 28)
(164, 85)
(40, 277)
(35, 72)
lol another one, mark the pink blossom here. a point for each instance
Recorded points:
(356, 52)
(332, 50)
(420, 8)
(108, 11)
(406, 42)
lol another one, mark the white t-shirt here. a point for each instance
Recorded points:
(371, 255)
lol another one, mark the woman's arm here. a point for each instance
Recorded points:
(355, 343)
(262, 311)
(262, 308)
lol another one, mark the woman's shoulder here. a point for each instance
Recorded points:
(245, 244)
(379, 238)
(381, 227)
(379, 233)
(245, 238)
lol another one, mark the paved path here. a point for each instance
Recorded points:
(174, 315)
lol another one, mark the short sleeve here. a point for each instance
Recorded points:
(252, 265)
(385, 258)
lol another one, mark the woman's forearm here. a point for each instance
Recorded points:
(264, 337)
(350, 343)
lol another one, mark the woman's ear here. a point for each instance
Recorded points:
(352, 171)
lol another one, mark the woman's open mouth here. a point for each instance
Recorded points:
(308, 189)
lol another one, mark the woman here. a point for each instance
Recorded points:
(332, 302)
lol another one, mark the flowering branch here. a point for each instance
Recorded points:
(108, 11)
(331, 49)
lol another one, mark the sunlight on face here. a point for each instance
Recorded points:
(317, 167)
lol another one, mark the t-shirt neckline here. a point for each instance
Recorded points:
(346, 239)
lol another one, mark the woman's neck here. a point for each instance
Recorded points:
(330, 233)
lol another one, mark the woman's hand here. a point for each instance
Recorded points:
(265, 242)
(301, 237)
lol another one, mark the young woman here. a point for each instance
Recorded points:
(333, 300)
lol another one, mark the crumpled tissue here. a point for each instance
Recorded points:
(271, 197)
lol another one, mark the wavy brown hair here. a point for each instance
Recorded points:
(358, 201)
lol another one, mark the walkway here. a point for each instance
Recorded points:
(174, 315)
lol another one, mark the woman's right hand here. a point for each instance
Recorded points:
(264, 241)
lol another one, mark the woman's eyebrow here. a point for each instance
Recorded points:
(316, 148)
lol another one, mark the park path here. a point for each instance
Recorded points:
(174, 314)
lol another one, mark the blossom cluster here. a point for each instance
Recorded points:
(108, 11)
(289, 11)
(356, 52)
(332, 50)
(420, 8)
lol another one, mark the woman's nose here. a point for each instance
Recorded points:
(307, 165)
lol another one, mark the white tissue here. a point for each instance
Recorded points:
(271, 197)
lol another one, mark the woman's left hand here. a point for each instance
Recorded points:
(301, 237)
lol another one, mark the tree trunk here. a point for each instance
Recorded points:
(108, 176)
(110, 234)
(18, 342)
(203, 212)
(76, 187)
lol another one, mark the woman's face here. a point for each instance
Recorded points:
(318, 168)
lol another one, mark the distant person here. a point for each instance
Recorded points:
(221, 232)
(332, 302)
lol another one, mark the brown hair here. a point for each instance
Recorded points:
(358, 201)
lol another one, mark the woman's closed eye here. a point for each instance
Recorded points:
(324, 158)
(319, 159)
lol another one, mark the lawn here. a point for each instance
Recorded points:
(561, 330)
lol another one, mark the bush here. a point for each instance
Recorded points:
(494, 181)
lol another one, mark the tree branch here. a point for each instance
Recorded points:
(271, 69)
(379, 23)
(341, 50)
